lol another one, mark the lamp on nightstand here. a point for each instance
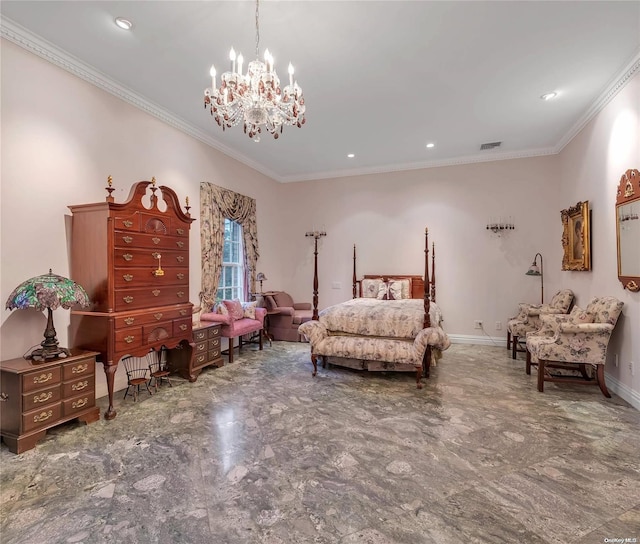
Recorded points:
(261, 277)
(48, 292)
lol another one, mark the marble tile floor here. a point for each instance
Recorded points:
(260, 452)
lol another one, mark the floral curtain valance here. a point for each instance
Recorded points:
(216, 205)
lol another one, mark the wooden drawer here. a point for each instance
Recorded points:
(41, 417)
(214, 354)
(138, 276)
(214, 332)
(157, 331)
(128, 338)
(199, 335)
(78, 404)
(71, 371)
(157, 242)
(128, 222)
(201, 347)
(145, 297)
(147, 257)
(214, 344)
(39, 379)
(200, 360)
(182, 326)
(80, 386)
(155, 316)
(38, 399)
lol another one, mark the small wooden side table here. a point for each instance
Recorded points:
(188, 361)
(37, 396)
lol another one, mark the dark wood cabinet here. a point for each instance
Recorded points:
(37, 396)
(132, 259)
(189, 360)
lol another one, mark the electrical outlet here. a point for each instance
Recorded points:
(498, 325)
(631, 368)
(336, 285)
(477, 324)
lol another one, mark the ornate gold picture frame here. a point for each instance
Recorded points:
(576, 237)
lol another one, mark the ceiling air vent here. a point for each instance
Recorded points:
(491, 145)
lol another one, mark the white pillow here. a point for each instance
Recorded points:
(370, 288)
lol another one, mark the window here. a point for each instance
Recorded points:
(231, 284)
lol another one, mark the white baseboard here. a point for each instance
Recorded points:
(485, 340)
(623, 391)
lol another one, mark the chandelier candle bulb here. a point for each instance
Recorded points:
(290, 74)
(240, 61)
(212, 72)
(232, 57)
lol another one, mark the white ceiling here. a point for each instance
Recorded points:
(380, 78)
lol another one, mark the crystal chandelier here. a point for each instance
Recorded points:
(255, 98)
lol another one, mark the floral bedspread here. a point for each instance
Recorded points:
(383, 318)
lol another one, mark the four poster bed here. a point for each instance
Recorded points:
(391, 324)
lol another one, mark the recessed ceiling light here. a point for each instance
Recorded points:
(548, 96)
(123, 23)
(430, 145)
(350, 155)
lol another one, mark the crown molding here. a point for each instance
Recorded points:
(46, 50)
(49, 52)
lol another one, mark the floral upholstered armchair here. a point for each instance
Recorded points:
(574, 341)
(528, 320)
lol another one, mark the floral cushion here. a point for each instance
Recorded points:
(234, 307)
(249, 309)
(370, 287)
(221, 309)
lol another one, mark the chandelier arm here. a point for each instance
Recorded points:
(257, 28)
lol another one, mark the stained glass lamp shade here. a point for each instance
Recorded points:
(48, 292)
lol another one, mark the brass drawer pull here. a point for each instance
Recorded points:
(80, 403)
(180, 231)
(43, 378)
(156, 241)
(128, 300)
(184, 327)
(79, 369)
(44, 397)
(201, 358)
(155, 255)
(200, 335)
(129, 339)
(180, 244)
(127, 277)
(155, 292)
(180, 258)
(129, 320)
(201, 347)
(128, 224)
(158, 316)
(180, 275)
(4, 397)
(127, 239)
(43, 416)
(216, 342)
(80, 386)
(127, 257)
(180, 294)
(183, 312)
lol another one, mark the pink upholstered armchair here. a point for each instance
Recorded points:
(287, 315)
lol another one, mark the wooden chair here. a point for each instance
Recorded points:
(158, 367)
(137, 375)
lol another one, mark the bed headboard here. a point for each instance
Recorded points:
(417, 282)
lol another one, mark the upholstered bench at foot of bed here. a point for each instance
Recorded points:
(374, 353)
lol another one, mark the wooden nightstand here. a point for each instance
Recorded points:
(38, 396)
(188, 361)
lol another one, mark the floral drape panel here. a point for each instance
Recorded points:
(216, 204)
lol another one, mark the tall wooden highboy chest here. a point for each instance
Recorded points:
(132, 258)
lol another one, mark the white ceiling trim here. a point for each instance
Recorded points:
(46, 50)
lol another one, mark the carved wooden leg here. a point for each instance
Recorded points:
(110, 371)
(260, 340)
(528, 363)
(314, 360)
(419, 377)
(230, 350)
(508, 339)
(540, 375)
(239, 344)
(601, 383)
(514, 346)
(583, 372)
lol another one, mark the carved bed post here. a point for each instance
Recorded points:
(316, 235)
(426, 359)
(355, 278)
(432, 289)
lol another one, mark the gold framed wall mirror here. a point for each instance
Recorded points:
(576, 237)
(628, 230)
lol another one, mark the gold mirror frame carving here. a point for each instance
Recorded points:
(576, 237)
(628, 192)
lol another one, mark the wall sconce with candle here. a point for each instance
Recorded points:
(497, 226)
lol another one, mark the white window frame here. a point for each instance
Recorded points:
(231, 284)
